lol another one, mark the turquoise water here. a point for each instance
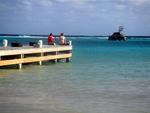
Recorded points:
(103, 77)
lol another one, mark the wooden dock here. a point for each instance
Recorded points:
(30, 54)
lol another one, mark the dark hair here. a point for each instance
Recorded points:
(50, 34)
(62, 34)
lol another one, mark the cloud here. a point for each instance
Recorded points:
(27, 5)
(93, 8)
(86, 5)
(6, 6)
(139, 2)
(120, 6)
(33, 3)
(45, 2)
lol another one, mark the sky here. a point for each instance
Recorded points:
(74, 17)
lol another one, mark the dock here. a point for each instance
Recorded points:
(29, 54)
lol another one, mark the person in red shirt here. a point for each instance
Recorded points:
(51, 39)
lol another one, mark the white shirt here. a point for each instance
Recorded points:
(62, 40)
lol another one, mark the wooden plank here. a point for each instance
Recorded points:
(22, 50)
(34, 59)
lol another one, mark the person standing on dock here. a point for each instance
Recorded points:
(62, 39)
(51, 39)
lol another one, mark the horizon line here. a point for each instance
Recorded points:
(70, 35)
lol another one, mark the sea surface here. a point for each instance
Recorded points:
(103, 77)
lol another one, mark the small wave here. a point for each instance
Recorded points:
(9, 36)
(139, 38)
(102, 37)
(24, 36)
(20, 36)
(32, 37)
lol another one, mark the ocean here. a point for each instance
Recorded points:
(103, 77)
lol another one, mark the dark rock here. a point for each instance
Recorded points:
(117, 36)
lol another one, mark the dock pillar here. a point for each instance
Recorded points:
(20, 65)
(55, 60)
(40, 62)
(68, 59)
(40, 43)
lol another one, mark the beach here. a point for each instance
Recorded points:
(102, 77)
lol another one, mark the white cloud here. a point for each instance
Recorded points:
(139, 2)
(120, 6)
(45, 2)
(39, 2)
(88, 7)
(27, 5)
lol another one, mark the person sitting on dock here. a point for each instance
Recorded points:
(51, 39)
(62, 39)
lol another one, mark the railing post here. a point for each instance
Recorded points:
(40, 43)
(5, 43)
(70, 42)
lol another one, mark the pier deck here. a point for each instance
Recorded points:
(29, 54)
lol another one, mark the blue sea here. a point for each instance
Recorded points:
(103, 77)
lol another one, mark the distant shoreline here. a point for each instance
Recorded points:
(71, 35)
